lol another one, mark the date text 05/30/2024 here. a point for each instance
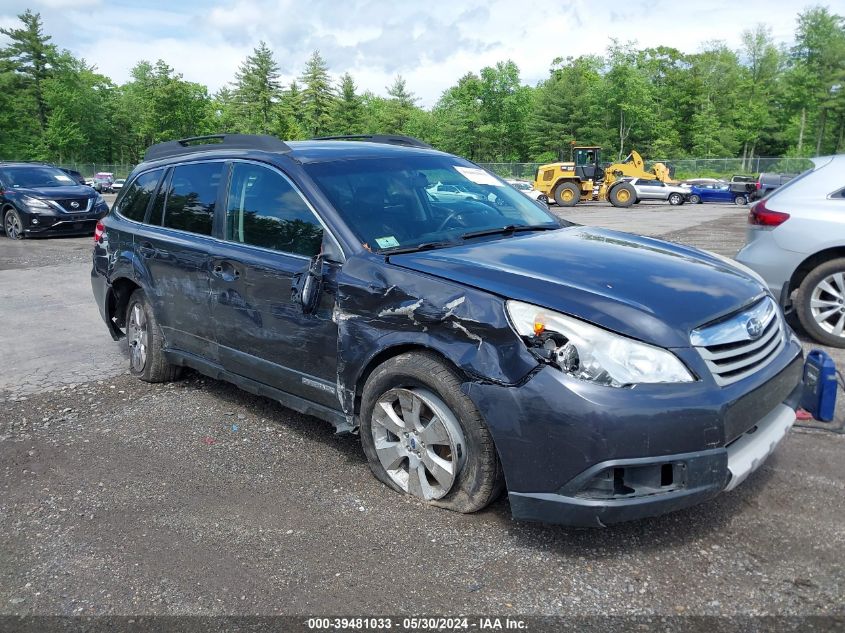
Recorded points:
(417, 624)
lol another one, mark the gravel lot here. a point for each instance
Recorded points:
(120, 497)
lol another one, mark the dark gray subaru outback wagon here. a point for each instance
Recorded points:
(475, 342)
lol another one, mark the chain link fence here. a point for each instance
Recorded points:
(684, 167)
(89, 169)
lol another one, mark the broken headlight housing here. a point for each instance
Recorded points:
(590, 353)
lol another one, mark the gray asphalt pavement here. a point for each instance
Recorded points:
(119, 497)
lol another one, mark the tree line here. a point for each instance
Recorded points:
(763, 99)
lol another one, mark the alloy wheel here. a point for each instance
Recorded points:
(418, 441)
(827, 304)
(138, 337)
(13, 226)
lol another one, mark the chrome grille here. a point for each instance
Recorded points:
(82, 204)
(730, 348)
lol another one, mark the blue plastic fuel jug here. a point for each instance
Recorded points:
(819, 395)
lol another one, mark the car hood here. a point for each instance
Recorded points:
(57, 193)
(642, 287)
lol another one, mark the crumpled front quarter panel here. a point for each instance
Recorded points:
(381, 306)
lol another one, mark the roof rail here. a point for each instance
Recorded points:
(193, 144)
(389, 139)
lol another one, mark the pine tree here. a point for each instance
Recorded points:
(257, 91)
(29, 54)
(318, 97)
(400, 106)
(348, 117)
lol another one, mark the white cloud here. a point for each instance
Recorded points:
(431, 45)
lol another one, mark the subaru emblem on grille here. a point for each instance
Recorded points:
(74, 204)
(754, 327)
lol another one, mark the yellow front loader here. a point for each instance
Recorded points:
(583, 178)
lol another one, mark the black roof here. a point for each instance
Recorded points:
(311, 151)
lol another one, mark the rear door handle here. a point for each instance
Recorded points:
(147, 250)
(226, 272)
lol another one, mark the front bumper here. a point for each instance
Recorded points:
(81, 224)
(585, 455)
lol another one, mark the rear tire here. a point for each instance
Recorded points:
(622, 195)
(145, 342)
(820, 303)
(445, 418)
(740, 201)
(567, 194)
(695, 199)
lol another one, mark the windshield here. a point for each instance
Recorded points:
(405, 202)
(522, 186)
(35, 176)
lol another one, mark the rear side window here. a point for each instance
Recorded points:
(192, 196)
(265, 210)
(135, 200)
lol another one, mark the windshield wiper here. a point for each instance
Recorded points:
(425, 246)
(510, 228)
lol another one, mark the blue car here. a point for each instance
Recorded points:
(711, 193)
(475, 345)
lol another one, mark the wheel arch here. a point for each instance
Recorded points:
(392, 351)
(813, 261)
(117, 299)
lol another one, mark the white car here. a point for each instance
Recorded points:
(658, 190)
(796, 241)
(117, 185)
(452, 193)
(527, 189)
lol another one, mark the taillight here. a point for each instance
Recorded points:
(758, 185)
(99, 230)
(761, 216)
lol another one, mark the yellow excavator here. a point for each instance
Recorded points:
(583, 178)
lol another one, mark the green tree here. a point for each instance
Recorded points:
(29, 54)
(819, 55)
(318, 96)
(257, 93)
(349, 116)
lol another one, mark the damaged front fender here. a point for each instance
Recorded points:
(381, 307)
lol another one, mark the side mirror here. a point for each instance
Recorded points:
(307, 286)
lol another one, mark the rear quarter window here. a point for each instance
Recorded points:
(192, 197)
(136, 197)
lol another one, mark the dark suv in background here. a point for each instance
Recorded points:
(45, 200)
(475, 342)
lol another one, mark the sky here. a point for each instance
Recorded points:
(431, 44)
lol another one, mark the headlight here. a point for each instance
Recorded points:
(34, 203)
(99, 200)
(590, 353)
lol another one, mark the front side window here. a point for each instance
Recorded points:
(136, 198)
(191, 197)
(265, 210)
(399, 202)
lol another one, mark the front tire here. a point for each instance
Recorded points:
(676, 199)
(567, 194)
(424, 437)
(13, 225)
(145, 342)
(622, 195)
(820, 303)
